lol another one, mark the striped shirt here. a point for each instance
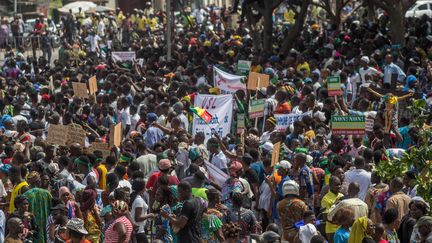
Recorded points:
(111, 235)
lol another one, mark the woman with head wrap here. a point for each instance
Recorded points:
(90, 212)
(121, 229)
(211, 224)
(362, 231)
(40, 203)
(232, 184)
(408, 227)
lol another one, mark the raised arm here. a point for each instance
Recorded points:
(374, 92)
(403, 97)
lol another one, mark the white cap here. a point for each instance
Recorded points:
(365, 59)
(290, 187)
(284, 164)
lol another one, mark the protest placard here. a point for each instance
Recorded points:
(115, 135)
(103, 147)
(121, 56)
(227, 82)
(93, 85)
(75, 134)
(221, 108)
(243, 67)
(241, 126)
(283, 121)
(257, 80)
(334, 86)
(370, 122)
(56, 134)
(256, 108)
(348, 125)
(275, 153)
(80, 90)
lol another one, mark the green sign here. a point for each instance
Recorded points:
(243, 67)
(241, 123)
(256, 108)
(334, 86)
(348, 125)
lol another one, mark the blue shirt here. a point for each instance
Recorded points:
(391, 69)
(341, 236)
(152, 136)
(406, 139)
(259, 169)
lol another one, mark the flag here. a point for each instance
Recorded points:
(202, 113)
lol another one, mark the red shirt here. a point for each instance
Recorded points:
(151, 183)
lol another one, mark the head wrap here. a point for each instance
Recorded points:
(80, 162)
(194, 153)
(120, 207)
(272, 120)
(5, 168)
(164, 164)
(358, 230)
(88, 199)
(234, 168)
(425, 220)
(33, 176)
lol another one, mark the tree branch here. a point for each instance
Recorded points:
(276, 4)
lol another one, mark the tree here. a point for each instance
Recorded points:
(294, 32)
(395, 10)
(265, 11)
(333, 10)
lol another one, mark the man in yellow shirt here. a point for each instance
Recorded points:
(302, 64)
(330, 199)
(141, 22)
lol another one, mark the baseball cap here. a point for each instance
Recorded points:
(283, 164)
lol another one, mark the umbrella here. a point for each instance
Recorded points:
(84, 5)
(99, 9)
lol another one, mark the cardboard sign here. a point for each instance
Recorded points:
(80, 90)
(370, 122)
(75, 134)
(334, 86)
(348, 125)
(243, 67)
(256, 108)
(241, 125)
(103, 147)
(275, 153)
(115, 135)
(56, 135)
(93, 85)
(257, 80)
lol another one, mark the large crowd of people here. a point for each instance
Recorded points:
(158, 184)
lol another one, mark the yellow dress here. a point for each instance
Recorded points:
(16, 191)
(102, 180)
(92, 227)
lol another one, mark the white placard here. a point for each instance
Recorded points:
(221, 109)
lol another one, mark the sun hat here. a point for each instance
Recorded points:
(77, 225)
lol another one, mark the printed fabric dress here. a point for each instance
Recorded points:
(210, 224)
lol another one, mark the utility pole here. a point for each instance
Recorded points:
(15, 6)
(168, 26)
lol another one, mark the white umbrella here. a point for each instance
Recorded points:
(84, 5)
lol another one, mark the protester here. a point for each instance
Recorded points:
(320, 138)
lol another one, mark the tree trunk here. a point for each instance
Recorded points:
(268, 29)
(397, 24)
(295, 31)
(370, 11)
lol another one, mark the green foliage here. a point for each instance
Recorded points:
(419, 157)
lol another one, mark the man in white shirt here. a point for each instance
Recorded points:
(360, 176)
(101, 27)
(124, 115)
(93, 41)
(365, 71)
(217, 157)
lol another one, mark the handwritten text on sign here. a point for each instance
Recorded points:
(283, 121)
(221, 108)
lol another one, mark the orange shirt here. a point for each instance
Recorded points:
(283, 108)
